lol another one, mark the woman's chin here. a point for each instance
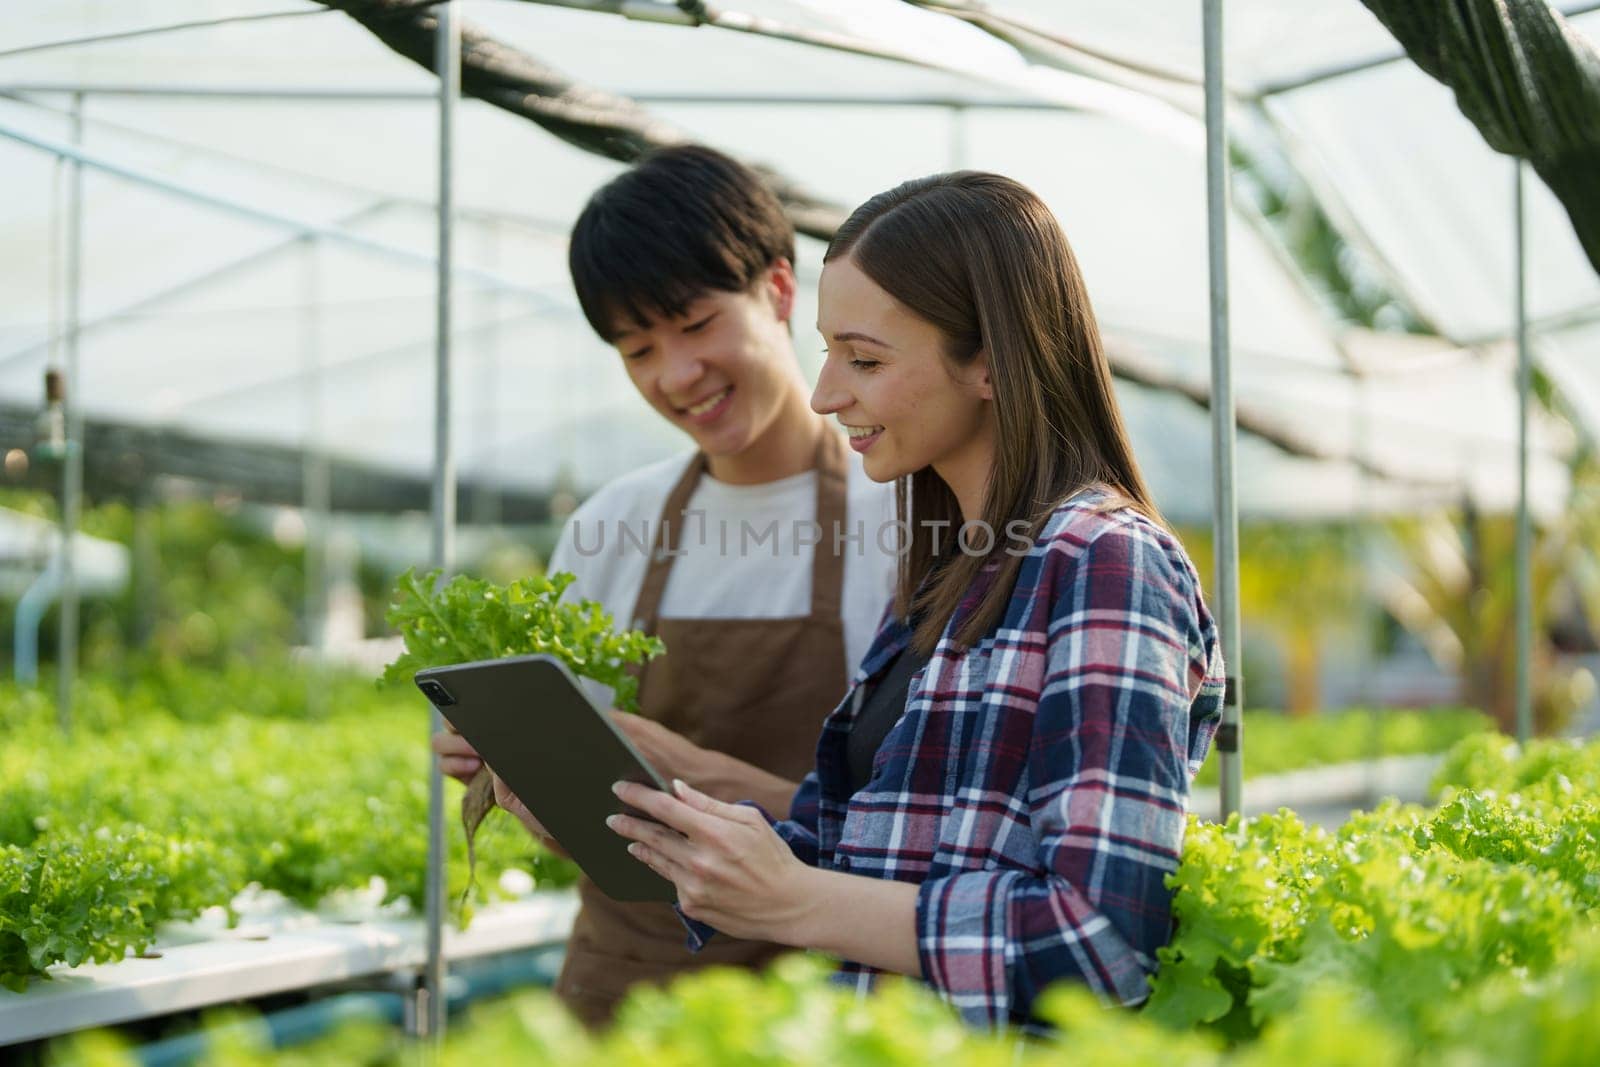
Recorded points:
(880, 468)
(883, 463)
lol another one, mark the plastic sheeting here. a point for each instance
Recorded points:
(260, 267)
(1421, 188)
(1396, 165)
(1526, 80)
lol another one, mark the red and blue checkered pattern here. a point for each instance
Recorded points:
(1037, 784)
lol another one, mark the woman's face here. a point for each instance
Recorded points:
(887, 381)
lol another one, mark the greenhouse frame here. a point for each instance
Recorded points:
(255, 243)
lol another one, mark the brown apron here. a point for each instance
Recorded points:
(756, 689)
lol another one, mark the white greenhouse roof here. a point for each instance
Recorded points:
(259, 231)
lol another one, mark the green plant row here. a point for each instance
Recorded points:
(1461, 935)
(179, 787)
(1403, 908)
(166, 810)
(1275, 743)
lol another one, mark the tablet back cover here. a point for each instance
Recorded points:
(535, 728)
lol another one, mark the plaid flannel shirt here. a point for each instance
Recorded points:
(1037, 784)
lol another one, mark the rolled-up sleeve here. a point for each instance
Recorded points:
(1108, 780)
(799, 830)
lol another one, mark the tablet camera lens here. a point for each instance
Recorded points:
(438, 694)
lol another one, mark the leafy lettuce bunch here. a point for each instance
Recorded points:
(469, 619)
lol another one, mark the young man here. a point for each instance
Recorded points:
(766, 571)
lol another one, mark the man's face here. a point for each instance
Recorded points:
(719, 371)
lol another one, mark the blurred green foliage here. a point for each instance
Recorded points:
(1461, 935)
(220, 590)
(176, 791)
(1275, 743)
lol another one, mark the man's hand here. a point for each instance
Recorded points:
(715, 773)
(670, 753)
(505, 798)
(459, 760)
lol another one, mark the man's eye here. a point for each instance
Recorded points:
(694, 327)
(637, 353)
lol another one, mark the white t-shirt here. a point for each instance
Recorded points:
(745, 550)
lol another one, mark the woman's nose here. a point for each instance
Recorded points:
(828, 398)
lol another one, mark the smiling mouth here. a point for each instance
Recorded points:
(707, 404)
(863, 431)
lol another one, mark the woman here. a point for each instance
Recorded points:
(999, 797)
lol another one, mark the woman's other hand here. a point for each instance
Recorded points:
(730, 867)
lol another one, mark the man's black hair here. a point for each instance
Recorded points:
(682, 222)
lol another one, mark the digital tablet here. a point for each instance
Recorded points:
(559, 754)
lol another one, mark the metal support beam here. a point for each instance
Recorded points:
(447, 62)
(1225, 504)
(316, 472)
(960, 138)
(146, 562)
(72, 456)
(241, 209)
(1524, 521)
(485, 508)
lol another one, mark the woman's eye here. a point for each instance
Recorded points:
(637, 353)
(858, 363)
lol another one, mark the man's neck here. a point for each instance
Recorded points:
(787, 447)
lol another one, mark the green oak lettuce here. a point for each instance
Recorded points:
(469, 619)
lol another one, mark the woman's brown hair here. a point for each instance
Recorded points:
(982, 258)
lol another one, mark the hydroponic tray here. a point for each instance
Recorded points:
(283, 953)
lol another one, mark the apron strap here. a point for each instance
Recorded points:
(827, 565)
(669, 535)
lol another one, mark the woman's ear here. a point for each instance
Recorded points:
(979, 381)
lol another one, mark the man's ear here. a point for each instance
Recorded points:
(781, 287)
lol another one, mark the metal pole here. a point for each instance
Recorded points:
(1524, 521)
(447, 61)
(959, 153)
(1364, 557)
(72, 458)
(241, 209)
(146, 562)
(315, 487)
(1225, 505)
(486, 496)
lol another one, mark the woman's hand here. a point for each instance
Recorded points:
(731, 868)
